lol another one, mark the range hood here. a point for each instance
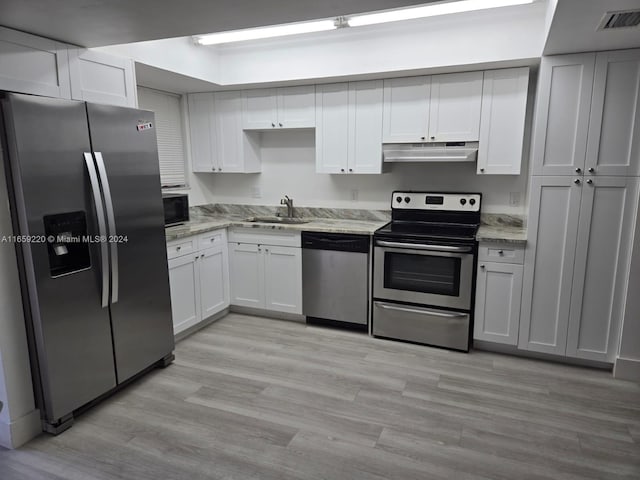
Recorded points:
(430, 152)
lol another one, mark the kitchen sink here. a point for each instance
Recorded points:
(282, 220)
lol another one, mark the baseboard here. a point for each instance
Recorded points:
(25, 428)
(627, 369)
(199, 326)
(292, 317)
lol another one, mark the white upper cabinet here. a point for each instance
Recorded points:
(504, 107)
(349, 127)
(289, 107)
(562, 114)
(202, 131)
(454, 112)
(217, 141)
(102, 78)
(613, 146)
(605, 234)
(30, 64)
(332, 128)
(406, 109)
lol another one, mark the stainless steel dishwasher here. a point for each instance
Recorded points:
(335, 279)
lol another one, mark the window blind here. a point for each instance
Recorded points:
(168, 127)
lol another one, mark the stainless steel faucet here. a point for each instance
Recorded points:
(289, 203)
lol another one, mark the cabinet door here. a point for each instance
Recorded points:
(247, 275)
(504, 108)
(562, 114)
(613, 147)
(33, 64)
(498, 295)
(456, 101)
(259, 109)
(185, 292)
(202, 132)
(605, 235)
(365, 127)
(332, 125)
(283, 279)
(549, 259)
(297, 107)
(406, 109)
(229, 135)
(101, 78)
(214, 280)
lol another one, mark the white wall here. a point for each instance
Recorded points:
(288, 167)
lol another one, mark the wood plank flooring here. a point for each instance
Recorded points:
(254, 398)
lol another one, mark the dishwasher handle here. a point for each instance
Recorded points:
(342, 242)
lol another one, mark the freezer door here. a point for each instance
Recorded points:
(127, 161)
(52, 193)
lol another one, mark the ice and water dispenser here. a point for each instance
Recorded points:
(67, 242)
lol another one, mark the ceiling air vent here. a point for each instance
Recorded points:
(620, 19)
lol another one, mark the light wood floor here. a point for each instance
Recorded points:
(253, 398)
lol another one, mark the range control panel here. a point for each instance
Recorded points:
(449, 202)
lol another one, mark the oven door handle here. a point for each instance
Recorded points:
(422, 311)
(422, 246)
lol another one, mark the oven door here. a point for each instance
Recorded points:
(439, 275)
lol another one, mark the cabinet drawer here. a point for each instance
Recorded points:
(215, 238)
(182, 246)
(259, 236)
(501, 252)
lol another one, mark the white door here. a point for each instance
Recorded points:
(613, 146)
(33, 64)
(185, 294)
(562, 114)
(259, 109)
(504, 108)
(456, 101)
(365, 127)
(229, 134)
(102, 78)
(498, 295)
(214, 280)
(247, 275)
(406, 109)
(332, 125)
(202, 132)
(605, 235)
(283, 279)
(549, 259)
(297, 107)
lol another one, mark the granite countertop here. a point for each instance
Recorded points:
(502, 228)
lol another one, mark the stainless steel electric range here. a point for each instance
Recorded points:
(424, 269)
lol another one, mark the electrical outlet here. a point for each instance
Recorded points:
(256, 192)
(354, 194)
(514, 199)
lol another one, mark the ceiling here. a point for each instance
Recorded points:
(574, 25)
(94, 23)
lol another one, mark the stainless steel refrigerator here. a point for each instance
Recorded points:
(86, 202)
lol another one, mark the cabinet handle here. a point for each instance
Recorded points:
(577, 181)
(423, 138)
(273, 124)
(280, 124)
(500, 252)
(351, 169)
(578, 170)
(591, 170)
(482, 267)
(220, 169)
(482, 169)
(590, 182)
(178, 249)
(433, 138)
(342, 169)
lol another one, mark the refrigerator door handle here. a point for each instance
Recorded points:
(102, 230)
(111, 222)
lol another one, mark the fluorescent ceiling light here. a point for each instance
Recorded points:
(431, 11)
(265, 32)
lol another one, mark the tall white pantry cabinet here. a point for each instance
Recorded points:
(583, 206)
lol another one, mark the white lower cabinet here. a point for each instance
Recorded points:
(266, 271)
(199, 280)
(577, 265)
(498, 294)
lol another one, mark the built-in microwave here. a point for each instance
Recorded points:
(176, 208)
